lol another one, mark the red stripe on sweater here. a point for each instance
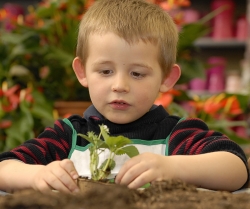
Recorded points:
(188, 140)
(42, 150)
(59, 125)
(200, 148)
(62, 144)
(50, 129)
(175, 133)
(20, 156)
(195, 146)
(54, 142)
(58, 157)
(27, 151)
(65, 144)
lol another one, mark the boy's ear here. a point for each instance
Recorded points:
(170, 80)
(79, 70)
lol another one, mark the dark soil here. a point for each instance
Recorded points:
(167, 194)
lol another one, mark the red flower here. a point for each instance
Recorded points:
(89, 3)
(172, 4)
(213, 105)
(10, 98)
(1, 93)
(5, 124)
(166, 98)
(232, 106)
(63, 6)
(30, 19)
(28, 95)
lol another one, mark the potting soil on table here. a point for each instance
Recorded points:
(166, 194)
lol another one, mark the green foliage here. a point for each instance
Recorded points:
(118, 145)
(187, 52)
(221, 112)
(191, 32)
(46, 38)
(25, 120)
(186, 58)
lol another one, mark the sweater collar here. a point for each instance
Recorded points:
(155, 113)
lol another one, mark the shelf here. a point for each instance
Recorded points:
(227, 43)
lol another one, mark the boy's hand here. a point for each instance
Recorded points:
(205, 170)
(58, 175)
(142, 169)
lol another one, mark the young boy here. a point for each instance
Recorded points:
(126, 55)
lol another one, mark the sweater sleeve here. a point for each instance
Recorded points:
(192, 136)
(52, 144)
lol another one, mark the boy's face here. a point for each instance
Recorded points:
(123, 80)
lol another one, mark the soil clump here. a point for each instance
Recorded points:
(165, 194)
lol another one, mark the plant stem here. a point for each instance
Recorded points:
(103, 173)
(93, 164)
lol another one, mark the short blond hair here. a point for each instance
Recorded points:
(132, 20)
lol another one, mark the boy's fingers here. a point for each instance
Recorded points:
(68, 165)
(61, 180)
(43, 187)
(60, 184)
(127, 166)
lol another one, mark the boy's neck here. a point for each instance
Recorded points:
(92, 112)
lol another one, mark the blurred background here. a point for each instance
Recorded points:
(38, 85)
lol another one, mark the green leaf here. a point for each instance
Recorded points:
(104, 132)
(48, 12)
(191, 69)
(93, 136)
(62, 57)
(116, 142)
(176, 109)
(93, 139)
(41, 108)
(110, 166)
(145, 186)
(189, 33)
(112, 181)
(102, 145)
(131, 151)
(90, 140)
(11, 38)
(26, 115)
(22, 129)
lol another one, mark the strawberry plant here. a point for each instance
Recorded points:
(117, 145)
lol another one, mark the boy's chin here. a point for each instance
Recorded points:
(121, 120)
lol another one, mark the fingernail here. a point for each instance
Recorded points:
(76, 190)
(75, 176)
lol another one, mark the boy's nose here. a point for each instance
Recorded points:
(120, 85)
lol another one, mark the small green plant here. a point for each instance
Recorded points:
(117, 145)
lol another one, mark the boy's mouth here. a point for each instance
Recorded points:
(119, 104)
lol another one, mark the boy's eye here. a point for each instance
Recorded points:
(137, 75)
(105, 72)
